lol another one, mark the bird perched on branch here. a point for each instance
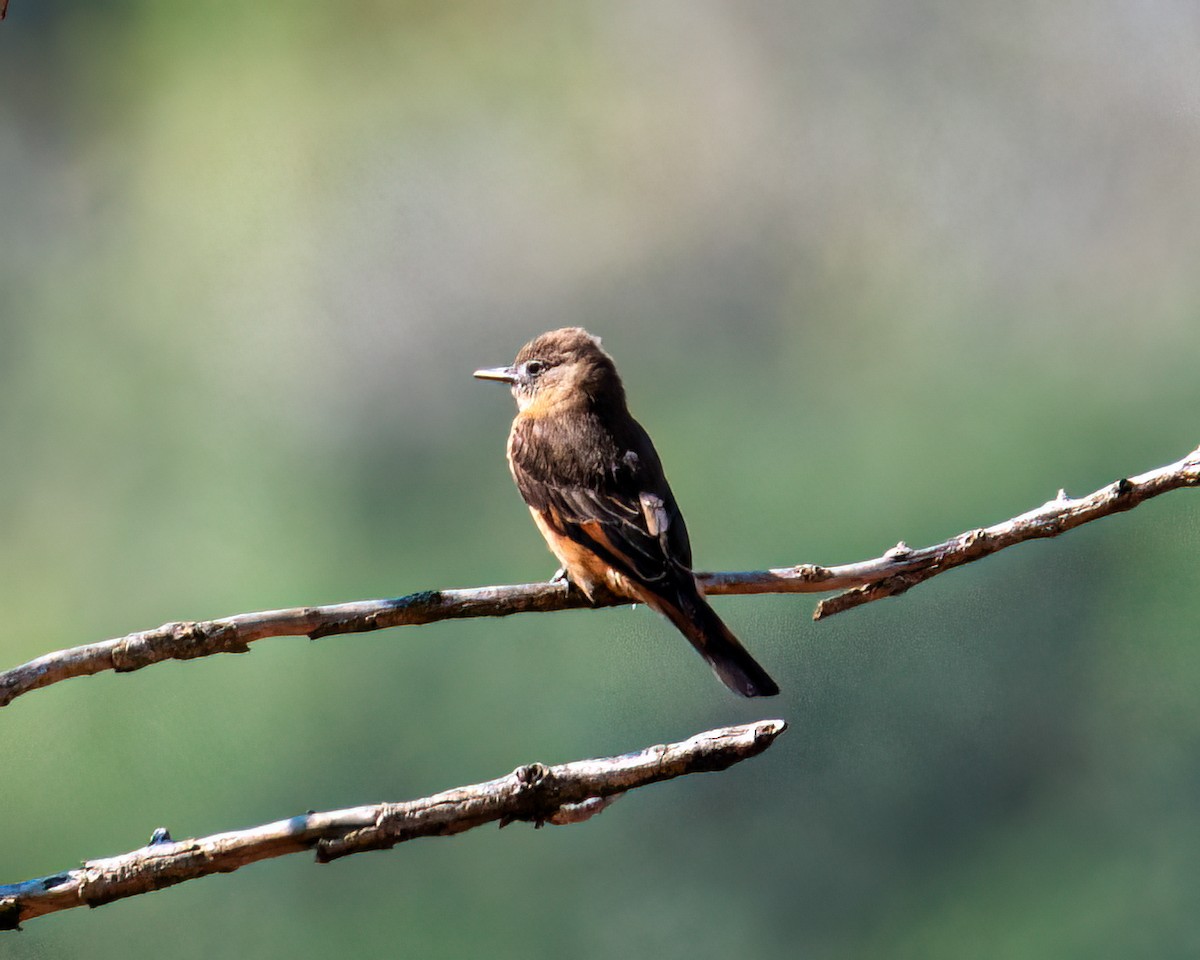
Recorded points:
(595, 486)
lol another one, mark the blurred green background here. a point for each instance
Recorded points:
(872, 271)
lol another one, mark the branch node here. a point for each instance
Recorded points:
(182, 640)
(538, 792)
(974, 542)
(364, 624)
(531, 775)
(570, 813)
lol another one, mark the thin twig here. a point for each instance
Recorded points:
(567, 793)
(894, 572)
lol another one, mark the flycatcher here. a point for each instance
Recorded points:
(597, 492)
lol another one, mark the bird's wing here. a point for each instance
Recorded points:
(622, 508)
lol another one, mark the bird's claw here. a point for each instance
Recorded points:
(561, 576)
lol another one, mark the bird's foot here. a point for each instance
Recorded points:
(561, 576)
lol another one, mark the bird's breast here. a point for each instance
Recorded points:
(586, 570)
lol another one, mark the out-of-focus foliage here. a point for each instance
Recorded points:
(872, 270)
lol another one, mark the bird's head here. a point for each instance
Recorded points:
(564, 367)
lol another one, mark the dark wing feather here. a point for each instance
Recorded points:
(608, 496)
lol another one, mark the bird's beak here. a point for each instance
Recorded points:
(503, 374)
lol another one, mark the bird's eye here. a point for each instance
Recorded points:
(534, 367)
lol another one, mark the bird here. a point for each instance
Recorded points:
(595, 486)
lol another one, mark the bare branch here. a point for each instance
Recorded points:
(1056, 516)
(567, 793)
(888, 575)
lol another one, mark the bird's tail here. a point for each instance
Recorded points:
(686, 607)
